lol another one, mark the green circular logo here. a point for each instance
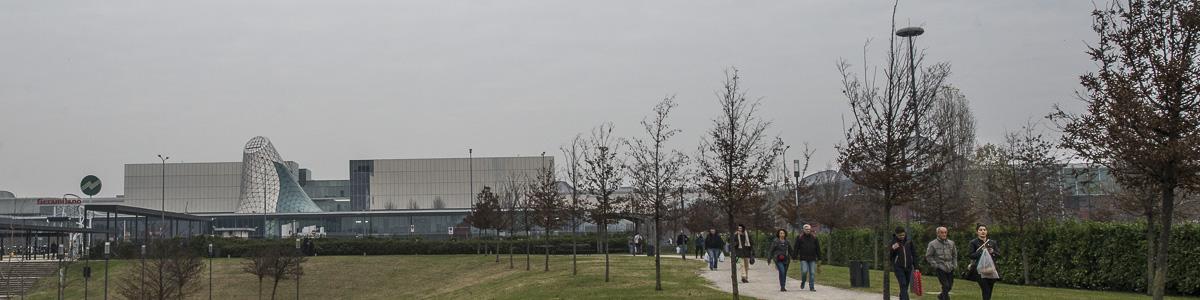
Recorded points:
(90, 185)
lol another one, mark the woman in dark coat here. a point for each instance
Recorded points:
(977, 246)
(781, 256)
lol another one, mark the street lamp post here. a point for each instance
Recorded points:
(143, 271)
(210, 265)
(107, 251)
(163, 213)
(796, 191)
(471, 186)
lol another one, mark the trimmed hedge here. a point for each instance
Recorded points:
(1080, 255)
(378, 246)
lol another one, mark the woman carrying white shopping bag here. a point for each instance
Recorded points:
(983, 261)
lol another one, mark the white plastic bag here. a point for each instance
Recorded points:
(987, 267)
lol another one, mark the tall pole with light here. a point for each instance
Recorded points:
(796, 191)
(910, 33)
(471, 186)
(163, 213)
(210, 265)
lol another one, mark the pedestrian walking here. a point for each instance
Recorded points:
(980, 247)
(780, 254)
(808, 251)
(632, 247)
(713, 243)
(904, 259)
(637, 244)
(742, 251)
(699, 245)
(681, 241)
(942, 255)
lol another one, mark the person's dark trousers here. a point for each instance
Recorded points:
(903, 278)
(947, 281)
(985, 286)
(782, 268)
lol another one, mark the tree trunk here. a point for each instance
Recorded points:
(260, 280)
(604, 245)
(1151, 251)
(1164, 239)
(1024, 260)
(887, 264)
(829, 248)
(497, 245)
(527, 241)
(657, 259)
(574, 239)
(732, 258)
(275, 288)
(547, 239)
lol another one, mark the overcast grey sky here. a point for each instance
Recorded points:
(87, 86)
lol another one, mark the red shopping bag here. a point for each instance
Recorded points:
(917, 289)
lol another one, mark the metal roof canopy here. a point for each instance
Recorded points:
(138, 211)
(404, 212)
(9, 226)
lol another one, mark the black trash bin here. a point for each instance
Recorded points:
(860, 274)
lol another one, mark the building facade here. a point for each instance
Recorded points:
(438, 183)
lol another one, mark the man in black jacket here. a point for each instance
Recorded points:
(904, 259)
(681, 241)
(808, 251)
(714, 244)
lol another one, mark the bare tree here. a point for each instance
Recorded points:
(1143, 115)
(259, 264)
(438, 203)
(285, 264)
(948, 202)
(513, 192)
(1022, 185)
(656, 171)
(572, 156)
(180, 270)
(547, 206)
(834, 202)
(602, 175)
(485, 214)
(889, 145)
(736, 156)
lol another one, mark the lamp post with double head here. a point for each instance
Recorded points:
(163, 212)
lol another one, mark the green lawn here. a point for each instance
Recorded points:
(963, 289)
(439, 277)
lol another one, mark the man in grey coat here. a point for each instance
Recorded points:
(943, 257)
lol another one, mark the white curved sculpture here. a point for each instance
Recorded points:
(267, 182)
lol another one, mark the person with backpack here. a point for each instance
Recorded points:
(942, 255)
(714, 244)
(781, 254)
(980, 247)
(904, 261)
(808, 251)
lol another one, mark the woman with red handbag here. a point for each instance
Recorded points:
(779, 253)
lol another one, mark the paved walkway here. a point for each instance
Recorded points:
(764, 284)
